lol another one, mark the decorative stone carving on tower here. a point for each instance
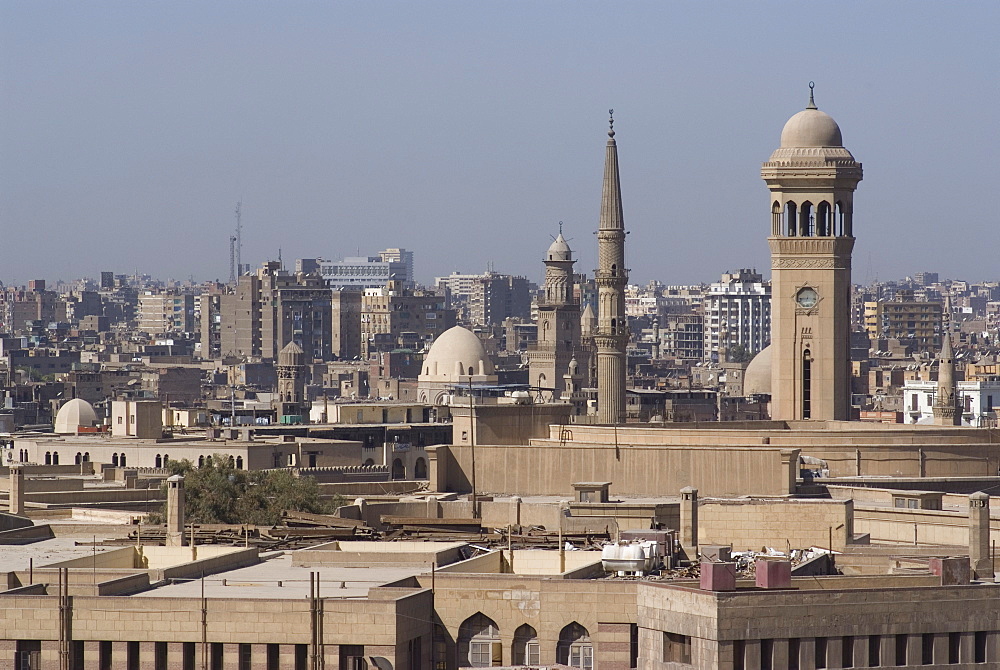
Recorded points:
(558, 322)
(812, 179)
(611, 277)
(946, 409)
(291, 384)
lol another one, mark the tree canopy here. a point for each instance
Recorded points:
(219, 493)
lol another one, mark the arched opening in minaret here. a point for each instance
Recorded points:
(806, 220)
(806, 384)
(839, 221)
(790, 218)
(776, 218)
(614, 270)
(824, 223)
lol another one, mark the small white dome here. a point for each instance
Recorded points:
(811, 128)
(73, 414)
(757, 378)
(454, 353)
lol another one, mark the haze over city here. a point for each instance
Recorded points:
(467, 131)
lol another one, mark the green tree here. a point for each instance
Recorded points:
(219, 493)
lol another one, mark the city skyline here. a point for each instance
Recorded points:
(128, 133)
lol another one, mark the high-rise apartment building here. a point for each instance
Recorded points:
(166, 312)
(489, 298)
(737, 314)
(906, 319)
(271, 308)
(394, 317)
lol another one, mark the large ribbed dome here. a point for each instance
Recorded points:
(454, 354)
(72, 415)
(811, 128)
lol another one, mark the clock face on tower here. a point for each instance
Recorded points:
(806, 297)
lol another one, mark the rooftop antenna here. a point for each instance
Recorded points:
(232, 259)
(239, 237)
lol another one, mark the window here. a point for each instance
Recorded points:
(526, 649)
(245, 659)
(479, 639)
(676, 648)
(574, 648)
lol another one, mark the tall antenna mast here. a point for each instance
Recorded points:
(232, 259)
(239, 238)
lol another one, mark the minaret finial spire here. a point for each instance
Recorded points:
(560, 227)
(611, 123)
(812, 101)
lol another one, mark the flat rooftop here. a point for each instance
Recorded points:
(276, 577)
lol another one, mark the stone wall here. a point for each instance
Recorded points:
(551, 469)
(752, 524)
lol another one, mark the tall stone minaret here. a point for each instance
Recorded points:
(946, 412)
(611, 276)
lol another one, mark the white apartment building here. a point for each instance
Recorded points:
(738, 306)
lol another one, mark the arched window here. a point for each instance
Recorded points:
(159, 461)
(806, 384)
(121, 460)
(574, 648)
(824, 220)
(86, 457)
(201, 461)
(166, 459)
(239, 462)
(398, 471)
(776, 218)
(839, 219)
(526, 648)
(48, 458)
(790, 219)
(369, 462)
(208, 461)
(479, 642)
(78, 459)
(420, 469)
(472, 371)
(807, 224)
(55, 458)
(114, 460)
(614, 269)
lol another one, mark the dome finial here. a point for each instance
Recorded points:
(611, 123)
(560, 227)
(812, 101)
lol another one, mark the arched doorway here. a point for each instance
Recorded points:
(574, 648)
(420, 469)
(398, 471)
(479, 642)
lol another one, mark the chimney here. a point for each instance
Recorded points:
(16, 501)
(689, 522)
(175, 511)
(980, 560)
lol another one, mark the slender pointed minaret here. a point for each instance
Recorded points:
(946, 412)
(611, 276)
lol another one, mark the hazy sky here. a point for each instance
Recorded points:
(467, 130)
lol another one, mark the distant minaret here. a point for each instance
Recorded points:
(946, 411)
(558, 321)
(611, 276)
